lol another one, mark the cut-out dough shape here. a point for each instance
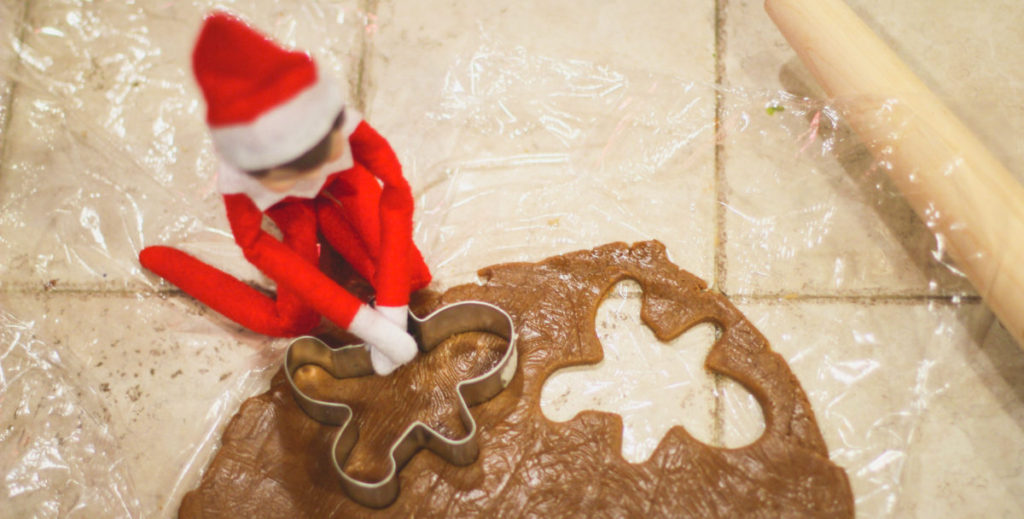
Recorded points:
(271, 459)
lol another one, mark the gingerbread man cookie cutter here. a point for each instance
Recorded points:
(354, 361)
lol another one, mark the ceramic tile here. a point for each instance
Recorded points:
(975, 66)
(968, 57)
(10, 27)
(56, 448)
(817, 227)
(108, 150)
(170, 374)
(521, 119)
(808, 211)
(879, 376)
(652, 385)
(968, 460)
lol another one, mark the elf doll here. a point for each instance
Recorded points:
(289, 149)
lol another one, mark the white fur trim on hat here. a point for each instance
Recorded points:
(284, 132)
(231, 180)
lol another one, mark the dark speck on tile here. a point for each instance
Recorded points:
(134, 393)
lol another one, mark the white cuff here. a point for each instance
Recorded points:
(383, 338)
(396, 314)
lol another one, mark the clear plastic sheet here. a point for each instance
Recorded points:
(115, 388)
(56, 433)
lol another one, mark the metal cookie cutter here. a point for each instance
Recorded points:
(354, 361)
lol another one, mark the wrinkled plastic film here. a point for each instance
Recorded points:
(57, 449)
(106, 151)
(541, 128)
(515, 157)
(107, 98)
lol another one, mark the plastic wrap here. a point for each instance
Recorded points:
(115, 387)
(56, 433)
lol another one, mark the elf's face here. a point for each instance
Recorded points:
(281, 179)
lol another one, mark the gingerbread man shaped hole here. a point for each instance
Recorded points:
(653, 385)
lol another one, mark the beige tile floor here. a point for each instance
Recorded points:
(527, 129)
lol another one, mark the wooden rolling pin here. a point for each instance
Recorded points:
(946, 174)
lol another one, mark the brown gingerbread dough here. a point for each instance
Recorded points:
(274, 463)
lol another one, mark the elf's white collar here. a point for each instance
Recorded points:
(231, 180)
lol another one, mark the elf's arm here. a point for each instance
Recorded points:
(396, 211)
(304, 278)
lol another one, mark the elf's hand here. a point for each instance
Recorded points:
(390, 346)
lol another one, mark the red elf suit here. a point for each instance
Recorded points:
(267, 106)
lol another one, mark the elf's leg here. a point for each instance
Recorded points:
(285, 316)
(229, 296)
(297, 222)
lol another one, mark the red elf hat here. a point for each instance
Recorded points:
(265, 105)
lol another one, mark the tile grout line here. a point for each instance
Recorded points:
(370, 7)
(857, 298)
(754, 298)
(12, 88)
(719, 167)
(718, 409)
(99, 292)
